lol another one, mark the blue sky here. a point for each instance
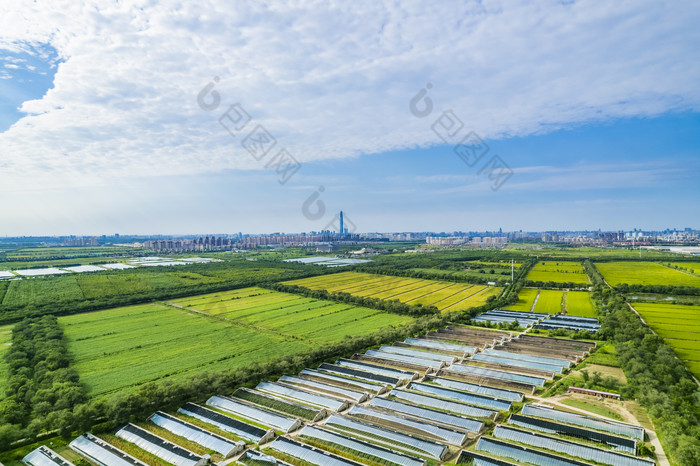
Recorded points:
(595, 111)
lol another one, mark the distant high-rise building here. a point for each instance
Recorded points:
(342, 231)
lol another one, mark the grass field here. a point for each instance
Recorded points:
(578, 303)
(110, 289)
(558, 272)
(446, 296)
(526, 298)
(5, 340)
(644, 273)
(118, 348)
(679, 326)
(550, 302)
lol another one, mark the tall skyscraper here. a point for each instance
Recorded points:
(341, 223)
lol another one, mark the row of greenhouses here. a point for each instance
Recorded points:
(457, 395)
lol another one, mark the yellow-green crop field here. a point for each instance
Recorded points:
(119, 348)
(5, 341)
(446, 296)
(550, 302)
(558, 272)
(679, 326)
(644, 273)
(578, 303)
(526, 298)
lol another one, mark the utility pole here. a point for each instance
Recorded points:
(512, 271)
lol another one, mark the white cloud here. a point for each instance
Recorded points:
(328, 79)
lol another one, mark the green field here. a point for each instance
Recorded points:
(644, 273)
(578, 303)
(679, 325)
(118, 348)
(526, 298)
(558, 272)
(446, 296)
(67, 293)
(549, 302)
(5, 340)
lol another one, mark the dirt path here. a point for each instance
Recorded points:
(534, 303)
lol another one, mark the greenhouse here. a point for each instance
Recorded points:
(471, 458)
(226, 423)
(439, 345)
(498, 374)
(309, 454)
(418, 353)
(359, 374)
(275, 403)
(606, 425)
(376, 369)
(563, 363)
(332, 390)
(263, 416)
(102, 453)
(44, 456)
(254, 457)
(302, 396)
(362, 449)
(524, 454)
(337, 379)
(432, 416)
(493, 359)
(407, 425)
(196, 434)
(167, 451)
(443, 405)
(625, 444)
(569, 448)
(496, 319)
(396, 440)
(477, 400)
(426, 363)
(479, 389)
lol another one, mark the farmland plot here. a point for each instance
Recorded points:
(526, 298)
(443, 295)
(558, 271)
(578, 303)
(42, 290)
(644, 273)
(549, 302)
(679, 326)
(120, 348)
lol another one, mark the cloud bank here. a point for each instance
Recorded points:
(328, 79)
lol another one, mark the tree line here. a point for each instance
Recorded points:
(42, 390)
(658, 289)
(655, 377)
(557, 285)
